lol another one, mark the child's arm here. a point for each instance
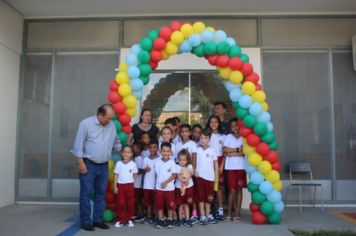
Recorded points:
(233, 151)
(216, 169)
(221, 167)
(115, 181)
(171, 178)
(194, 160)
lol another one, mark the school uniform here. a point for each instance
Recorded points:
(149, 180)
(216, 143)
(189, 191)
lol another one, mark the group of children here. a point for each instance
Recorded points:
(173, 180)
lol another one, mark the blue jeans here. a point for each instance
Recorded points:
(96, 178)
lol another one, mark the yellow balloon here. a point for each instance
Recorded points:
(177, 37)
(236, 77)
(254, 159)
(225, 72)
(124, 90)
(111, 176)
(278, 185)
(123, 67)
(259, 96)
(264, 167)
(244, 140)
(122, 78)
(165, 55)
(198, 27)
(111, 165)
(218, 68)
(212, 29)
(130, 101)
(248, 88)
(131, 111)
(171, 48)
(272, 176)
(265, 106)
(247, 149)
(112, 186)
(187, 30)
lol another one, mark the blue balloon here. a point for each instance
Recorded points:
(266, 187)
(131, 59)
(279, 206)
(249, 169)
(115, 157)
(137, 94)
(135, 49)
(274, 196)
(245, 101)
(219, 36)
(231, 41)
(185, 46)
(270, 126)
(133, 72)
(136, 84)
(194, 40)
(235, 94)
(207, 36)
(256, 178)
(264, 117)
(256, 109)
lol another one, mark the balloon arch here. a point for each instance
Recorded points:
(244, 89)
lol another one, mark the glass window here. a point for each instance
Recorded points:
(296, 83)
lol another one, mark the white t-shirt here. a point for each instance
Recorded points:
(149, 179)
(145, 153)
(164, 170)
(138, 179)
(216, 143)
(178, 183)
(173, 148)
(177, 139)
(191, 146)
(234, 162)
(205, 163)
(125, 171)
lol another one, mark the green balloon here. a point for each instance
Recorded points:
(145, 79)
(244, 58)
(275, 218)
(144, 56)
(153, 34)
(236, 105)
(260, 128)
(115, 117)
(145, 69)
(274, 145)
(267, 208)
(241, 112)
(250, 121)
(268, 137)
(108, 216)
(199, 50)
(252, 187)
(146, 44)
(123, 137)
(210, 48)
(235, 51)
(223, 48)
(258, 198)
(118, 126)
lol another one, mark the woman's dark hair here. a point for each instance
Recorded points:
(185, 152)
(142, 112)
(166, 144)
(207, 126)
(102, 110)
(206, 132)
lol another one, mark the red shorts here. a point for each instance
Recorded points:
(138, 196)
(221, 176)
(195, 190)
(165, 199)
(236, 179)
(205, 190)
(187, 198)
(148, 197)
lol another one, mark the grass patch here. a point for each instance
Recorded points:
(323, 233)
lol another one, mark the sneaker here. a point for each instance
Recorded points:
(220, 214)
(146, 220)
(211, 219)
(139, 219)
(188, 223)
(118, 225)
(194, 219)
(169, 224)
(130, 224)
(159, 224)
(203, 220)
(179, 223)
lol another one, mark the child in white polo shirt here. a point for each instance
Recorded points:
(166, 136)
(125, 172)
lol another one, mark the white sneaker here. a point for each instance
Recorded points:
(130, 224)
(118, 225)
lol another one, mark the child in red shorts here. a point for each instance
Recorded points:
(137, 149)
(235, 168)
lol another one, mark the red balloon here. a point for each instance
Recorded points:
(119, 108)
(262, 149)
(156, 56)
(124, 119)
(114, 97)
(235, 63)
(254, 78)
(258, 87)
(240, 123)
(165, 33)
(276, 166)
(244, 131)
(271, 157)
(175, 25)
(110, 197)
(212, 59)
(258, 218)
(222, 61)
(153, 65)
(253, 140)
(113, 86)
(127, 129)
(246, 69)
(254, 207)
(159, 44)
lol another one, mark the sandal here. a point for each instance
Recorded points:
(236, 219)
(227, 218)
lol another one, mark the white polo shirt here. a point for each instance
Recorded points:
(145, 153)
(125, 171)
(190, 145)
(178, 183)
(149, 179)
(234, 162)
(205, 163)
(217, 142)
(164, 170)
(138, 179)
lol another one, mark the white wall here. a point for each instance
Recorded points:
(11, 23)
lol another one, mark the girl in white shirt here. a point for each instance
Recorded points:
(166, 136)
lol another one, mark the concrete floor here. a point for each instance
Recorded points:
(28, 220)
